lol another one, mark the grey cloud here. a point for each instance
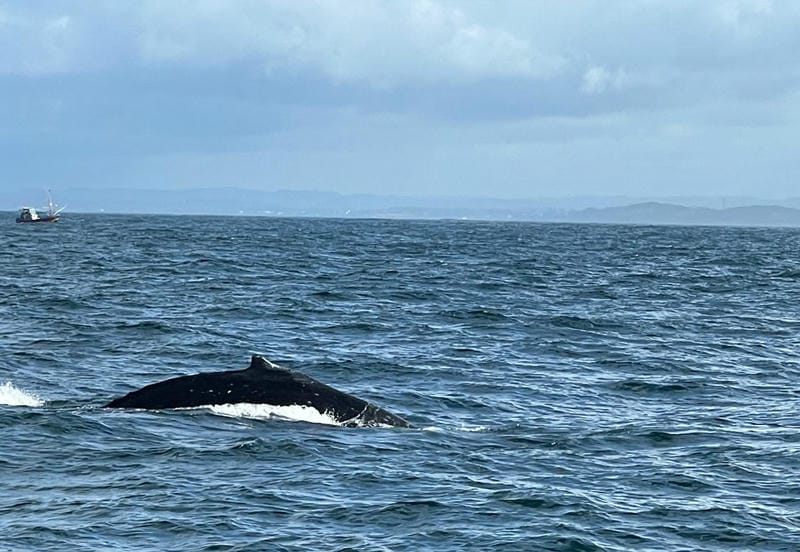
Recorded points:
(376, 42)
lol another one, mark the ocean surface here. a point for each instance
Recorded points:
(572, 387)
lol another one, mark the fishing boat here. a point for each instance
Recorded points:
(29, 214)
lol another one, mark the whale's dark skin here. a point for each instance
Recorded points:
(261, 383)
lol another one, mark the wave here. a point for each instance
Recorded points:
(13, 396)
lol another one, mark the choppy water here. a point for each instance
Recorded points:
(576, 387)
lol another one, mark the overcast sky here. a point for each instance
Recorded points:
(498, 98)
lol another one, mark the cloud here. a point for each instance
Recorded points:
(597, 80)
(381, 43)
(377, 42)
(745, 16)
(35, 45)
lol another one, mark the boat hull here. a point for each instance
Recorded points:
(40, 219)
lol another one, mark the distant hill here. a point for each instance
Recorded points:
(664, 213)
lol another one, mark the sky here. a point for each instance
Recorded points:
(498, 98)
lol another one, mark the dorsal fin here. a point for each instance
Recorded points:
(257, 362)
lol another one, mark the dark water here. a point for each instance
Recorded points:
(575, 387)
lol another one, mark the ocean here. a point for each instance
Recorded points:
(572, 387)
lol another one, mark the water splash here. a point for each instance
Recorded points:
(293, 412)
(12, 396)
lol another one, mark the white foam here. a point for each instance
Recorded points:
(293, 412)
(464, 428)
(473, 429)
(13, 396)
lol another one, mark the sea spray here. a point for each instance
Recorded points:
(13, 396)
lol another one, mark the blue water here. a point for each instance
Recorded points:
(573, 387)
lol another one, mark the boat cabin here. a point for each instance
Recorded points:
(27, 214)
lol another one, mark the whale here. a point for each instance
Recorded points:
(263, 382)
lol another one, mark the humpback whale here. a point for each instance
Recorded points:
(260, 383)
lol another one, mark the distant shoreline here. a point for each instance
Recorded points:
(646, 213)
